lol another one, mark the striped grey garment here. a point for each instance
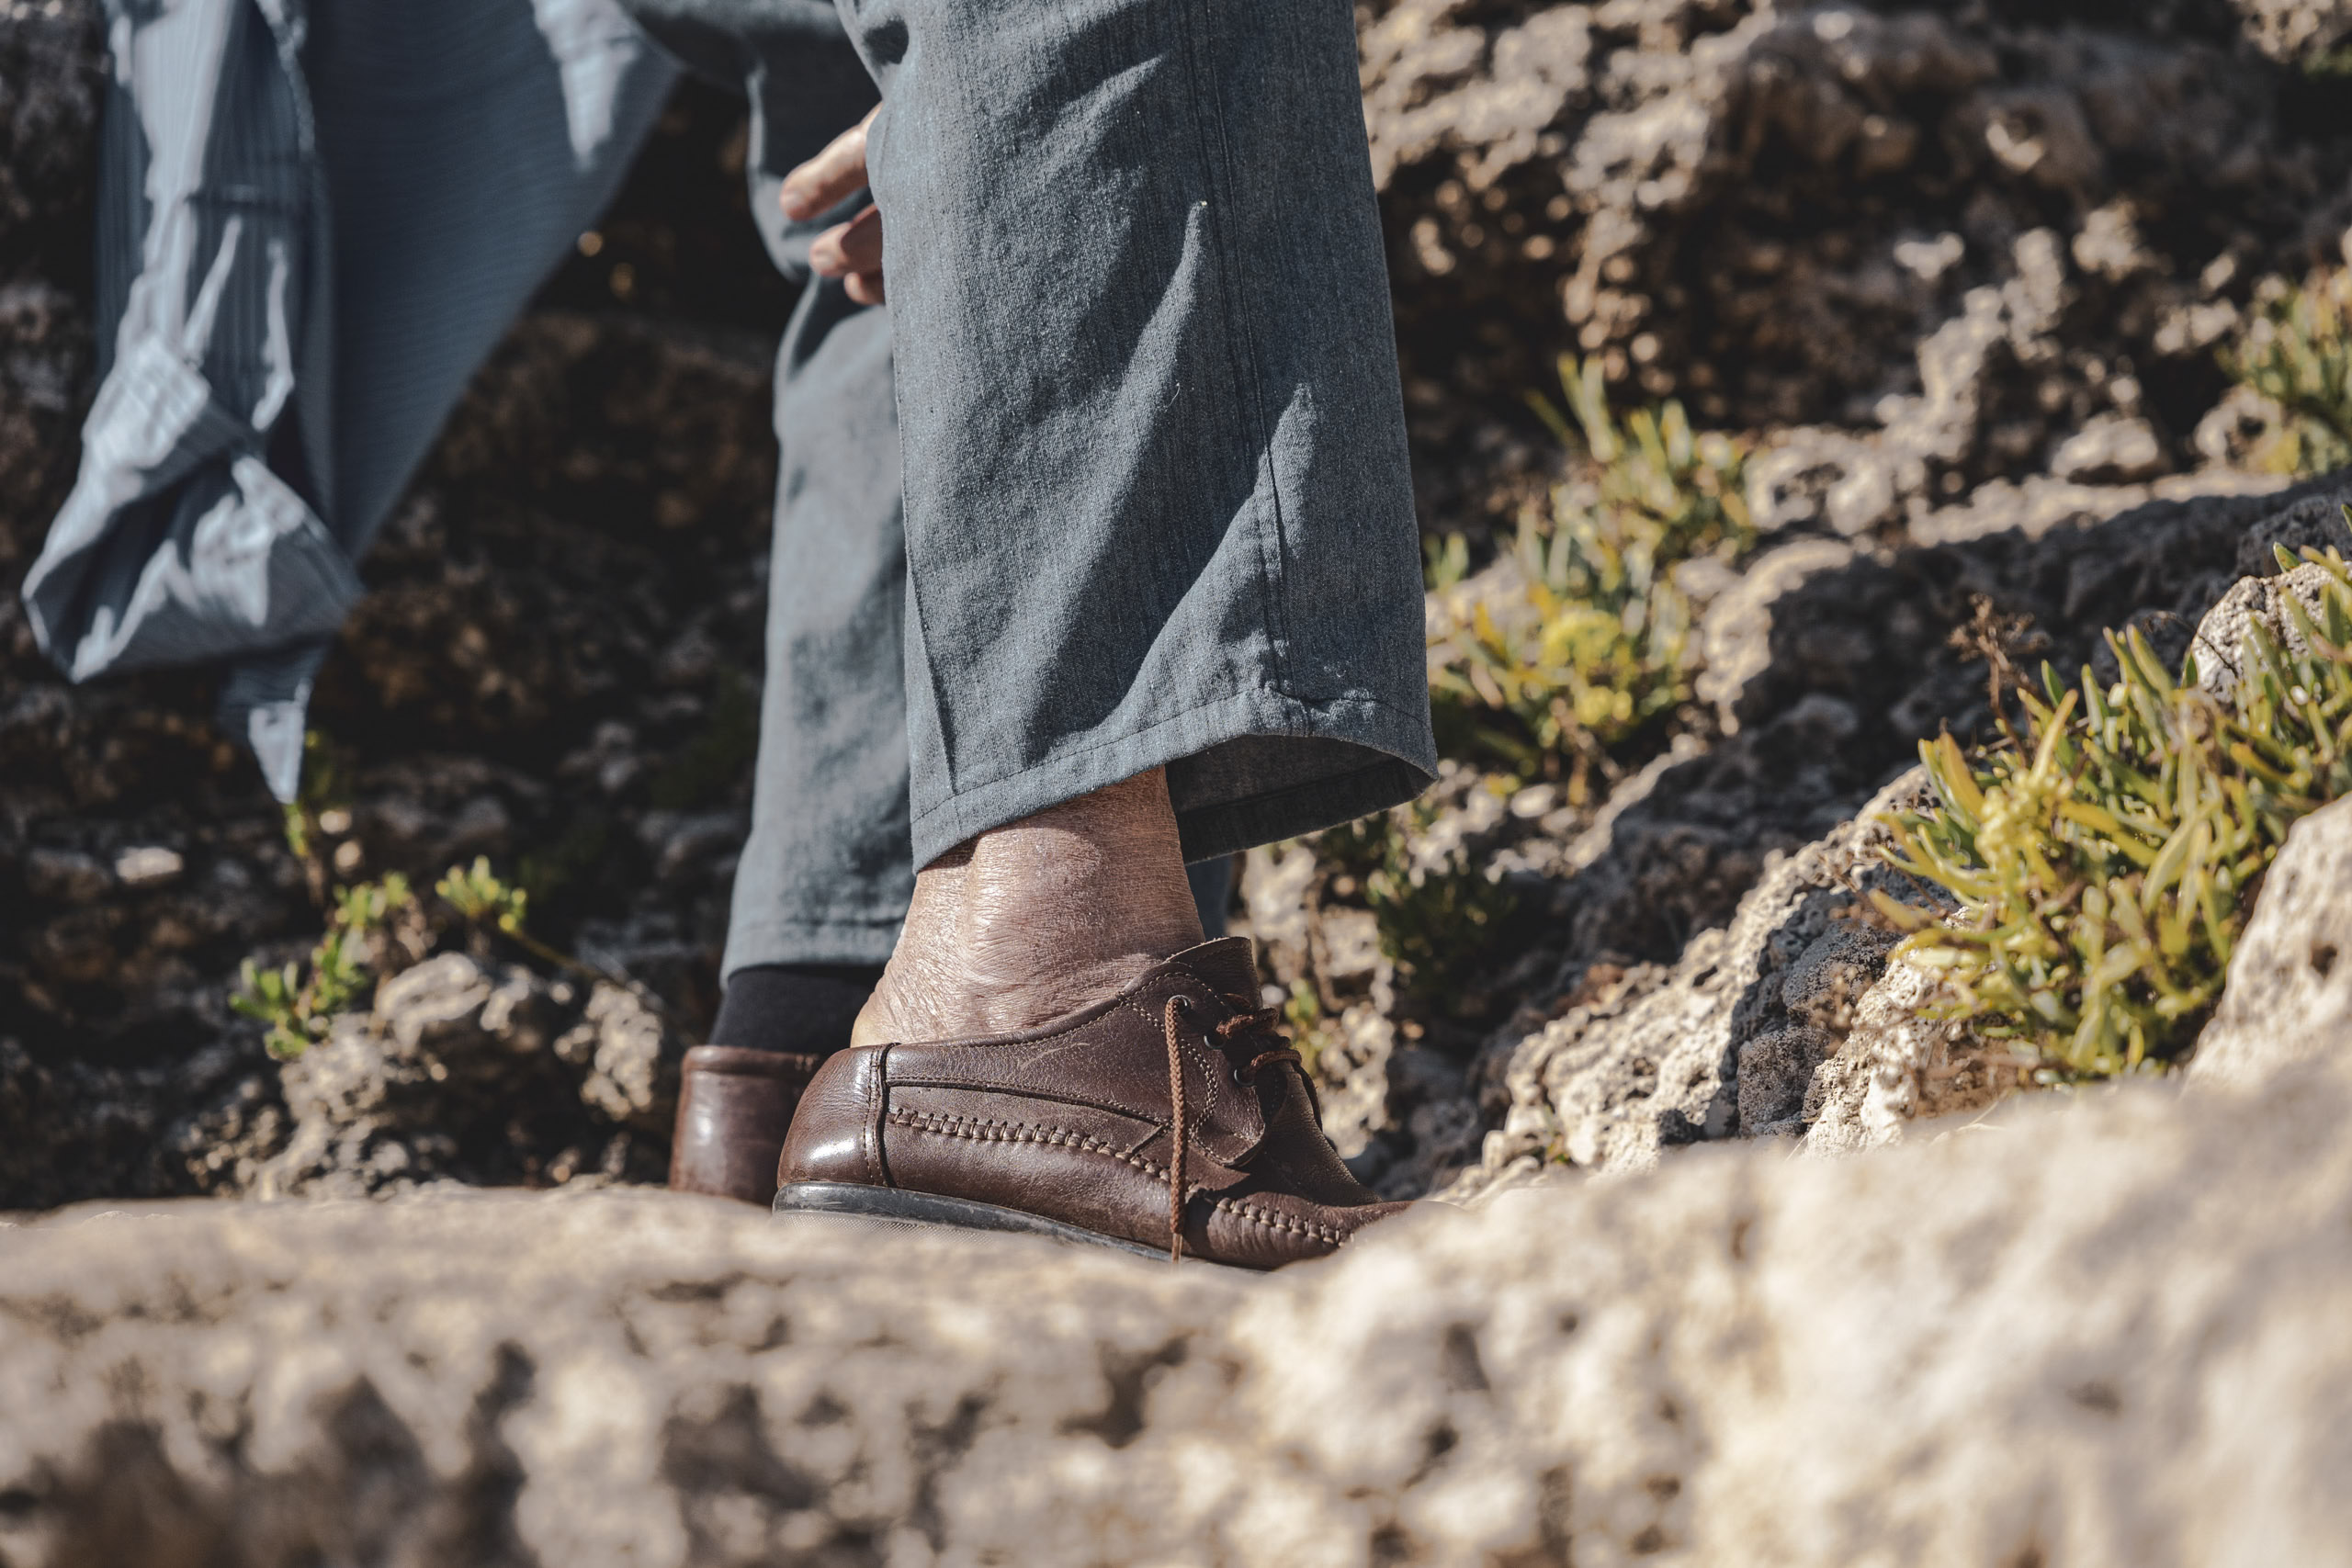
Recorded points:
(316, 218)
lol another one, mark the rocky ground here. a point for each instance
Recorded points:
(2052, 1337)
(1925, 246)
(1958, 272)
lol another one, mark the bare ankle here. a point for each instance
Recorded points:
(1038, 916)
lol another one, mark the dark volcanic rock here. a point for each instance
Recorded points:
(1985, 227)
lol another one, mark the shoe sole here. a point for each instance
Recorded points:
(893, 1205)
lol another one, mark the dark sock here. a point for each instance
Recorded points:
(793, 1007)
(1212, 883)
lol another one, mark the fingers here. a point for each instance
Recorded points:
(853, 252)
(831, 177)
(853, 246)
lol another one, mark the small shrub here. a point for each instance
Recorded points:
(375, 930)
(2104, 860)
(369, 926)
(1311, 1031)
(2297, 353)
(1592, 643)
(482, 899)
(2328, 66)
(321, 797)
(1433, 910)
(489, 903)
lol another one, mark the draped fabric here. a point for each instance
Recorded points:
(316, 218)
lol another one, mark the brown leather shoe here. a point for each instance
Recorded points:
(1065, 1130)
(733, 1108)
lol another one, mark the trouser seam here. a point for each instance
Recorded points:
(1217, 169)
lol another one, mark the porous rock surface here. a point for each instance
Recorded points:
(2059, 1341)
(460, 1071)
(1934, 244)
(2289, 992)
(2262, 603)
(2290, 30)
(1726, 1043)
(1896, 1068)
(1827, 665)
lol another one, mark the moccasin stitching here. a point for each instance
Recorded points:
(988, 1130)
(1282, 1222)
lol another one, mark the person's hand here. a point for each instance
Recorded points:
(851, 251)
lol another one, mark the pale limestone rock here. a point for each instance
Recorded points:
(2255, 601)
(453, 1051)
(2107, 1334)
(2289, 993)
(2110, 449)
(1896, 1068)
(1736, 637)
(2292, 30)
(633, 1075)
(1734, 1032)
(1352, 1068)
(149, 865)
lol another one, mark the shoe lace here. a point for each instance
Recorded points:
(1241, 1023)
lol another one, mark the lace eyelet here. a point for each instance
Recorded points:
(1239, 1082)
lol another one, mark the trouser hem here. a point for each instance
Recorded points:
(1369, 755)
(1269, 819)
(751, 942)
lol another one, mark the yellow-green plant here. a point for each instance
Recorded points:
(1311, 1031)
(297, 1001)
(2105, 860)
(481, 898)
(375, 927)
(2297, 353)
(1596, 644)
(487, 902)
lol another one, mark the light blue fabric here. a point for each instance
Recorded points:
(1158, 505)
(316, 221)
(827, 871)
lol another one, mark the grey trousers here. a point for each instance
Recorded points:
(827, 873)
(1156, 509)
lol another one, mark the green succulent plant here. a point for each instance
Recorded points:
(1312, 1031)
(2105, 859)
(481, 898)
(298, 1001)
(2297, 353)
(1594, 644)
(374, 928)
